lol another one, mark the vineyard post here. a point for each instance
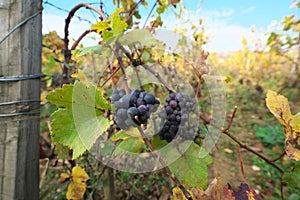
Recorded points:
(20, 73)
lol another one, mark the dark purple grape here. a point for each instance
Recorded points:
(140, 101)
(122, 92)
(132, 100)
(142, 109)
(149, 98)
(168, 99)
(173, 104)
(172, 117)
(172, 96)
(132, 112)
(178, 118)
(143, 94)
(156, 102)
(184, 118)
(143, 119)
(122, 113)
(169, 110)
(173, 128)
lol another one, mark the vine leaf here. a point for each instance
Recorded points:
(79, 124)
(190, 169)
(61, 96)
(131, 144)
(118, 25)
(279, 107)
(83, 51)
(138, 36)
(112, 27)
(77, 186)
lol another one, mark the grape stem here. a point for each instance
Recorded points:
(173, 177)
(121, 64)
(148, 68)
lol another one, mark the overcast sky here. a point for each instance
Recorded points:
(225, 21)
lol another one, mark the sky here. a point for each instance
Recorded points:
(225, 21)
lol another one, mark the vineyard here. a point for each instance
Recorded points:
(149, 113)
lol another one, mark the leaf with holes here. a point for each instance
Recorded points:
(279, 107)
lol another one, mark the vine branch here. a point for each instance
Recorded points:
(67, 53)
(173, 177)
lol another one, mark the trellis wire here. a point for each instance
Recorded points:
(19, 25)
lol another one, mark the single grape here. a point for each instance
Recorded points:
(172, 117)
(122, 113)
(149, 98)
(169, 110)
(143, 118)
(178, 118)
(173, 104)
(172, 96)
(122, 92)
(132, 112)
(142, 109)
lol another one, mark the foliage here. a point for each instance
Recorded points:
(280, 108)
(84, 113)
(88, 103)
(77, 185)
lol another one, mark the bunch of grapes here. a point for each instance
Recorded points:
(176, 118)
(133, 109)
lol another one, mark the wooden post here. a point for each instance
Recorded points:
(20, 55)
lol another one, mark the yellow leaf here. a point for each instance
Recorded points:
(79, 175)
(177, 194)
(77, 186)
(63, 177)
(279, 107)
(76, 190)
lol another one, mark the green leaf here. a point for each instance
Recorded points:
(132, 144)
(160, 9)
(293, 178)
(63, 131)
(100, 26)
(80, 124)
(88, 95)
(190, 169)
(118, 25)
(61, 96)
(106, 35)
(62, 151)
(92, 49)
(121, 135)
(140, 36)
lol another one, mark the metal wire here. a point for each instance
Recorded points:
(21, 78)
(17, 114)
(18, 102)
(19, 25)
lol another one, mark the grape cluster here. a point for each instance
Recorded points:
(176, 116)
(133, 109)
